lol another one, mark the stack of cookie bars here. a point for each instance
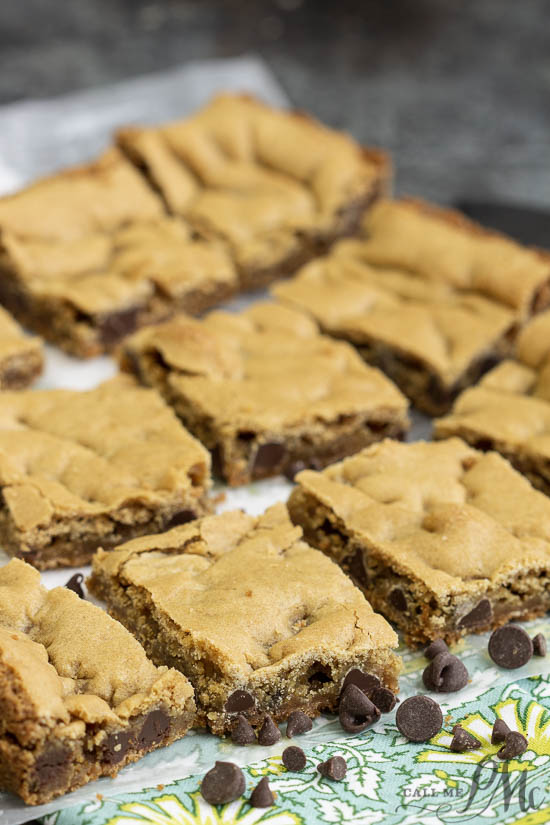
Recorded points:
(216, 619)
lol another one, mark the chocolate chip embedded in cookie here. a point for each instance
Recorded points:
(223, 783)
(239, 701)
(75, 584)
(510, 646)
(419, 718)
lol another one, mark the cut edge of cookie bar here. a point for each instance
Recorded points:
(424, 602)
(21, 357)
(36, 527)
(257, 452)
(58, 730)
(302, 669)
(137, 144)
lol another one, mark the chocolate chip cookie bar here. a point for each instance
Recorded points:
(264, 391)
(444, 540)
(89, 255)
(21, 358)
(79, 697)
(427, 296)
(83, 469)
(259, 622)
(509, 410)
(276, 186)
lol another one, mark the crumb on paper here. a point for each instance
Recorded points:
(160, 787)
(99, 797)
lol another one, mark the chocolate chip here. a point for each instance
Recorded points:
(243, 732)
(419, 718)
(117, 325)
(298, 722)
(481, 614)
(445, 674)
(437, 646)
(397, 599)
(539, 645)
(75, 584)
(238, 701)
(181, 517)
(384, 699)
(292, 470)
(51, 766)
(334, 768)
(356, 567)
(116, 747)
(515, 744)
(223, 783)
(356, 711)
(463, 741)
(294, 759)
(366, 682)
(268, 458)
(510, 646)
(154, 729)
(262, 795)
(269, 732)
(500, 732)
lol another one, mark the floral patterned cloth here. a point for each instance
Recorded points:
(389, 780)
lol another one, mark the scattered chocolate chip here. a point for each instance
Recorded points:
(238, 701)
(262, 795)
(243, 732)
(383, 699)
(500, 732)
(75, 584)
(419, 718)
(539, 645)
(269, 732)
(364, 681)
(397, 599)
(463, 741)
(510, 646)
(116, 747)
(298, 722)
(445, 674)
(356, 711)
(294, 759)
(223, 783)
(437, 646)
(514, 745)
(334, 768)
(481, 614)
(154, 728)
(268, 458)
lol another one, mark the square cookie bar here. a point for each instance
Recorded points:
(276, 186)
(427, 296)
(258, 621)
(83, 469)
(443, 539)
(509, 410)
(21, 358)
(79, 697)
(265, 391)
(88, 255)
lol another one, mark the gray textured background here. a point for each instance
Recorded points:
(459, 90)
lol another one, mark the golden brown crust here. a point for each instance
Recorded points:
(243, 603)
(265, 376)
(78, 468)
(271, 183)
(443, 521)
(509, 410)
(69, 677)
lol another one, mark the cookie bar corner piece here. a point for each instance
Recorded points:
(258, 621)
(21, 357)
(443, 540)
(79, 697)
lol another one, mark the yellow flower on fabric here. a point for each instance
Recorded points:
(169, 810)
